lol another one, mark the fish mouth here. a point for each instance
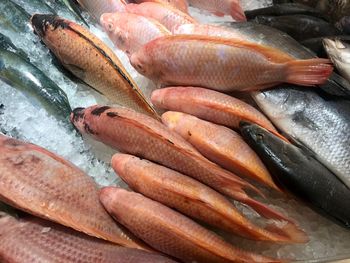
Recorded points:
(77, 114)
(41, 22)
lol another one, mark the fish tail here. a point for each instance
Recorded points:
(290, 232)
(237, 12)
(308, 72)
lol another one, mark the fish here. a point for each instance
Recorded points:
(42, 92)
(224, 65)
(196, 200)
(299, 26)
(129, 32)
(97, 8)
(209, 105)
(316, 44)
(36, 6)
(69, 9)
(220, 145)
(6, 44)
(13, 18)
(284, 9)
(344, 25)
(89, 59)
(300, 174)
(31, 239)
(221, 8)
(335, 9)
(182, 5)
(137, 134)
(165, 14)
(169, 231)
(339, 53)
(45, 185)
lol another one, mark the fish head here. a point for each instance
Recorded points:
(338, 50)
(42, 23)
(143, 63)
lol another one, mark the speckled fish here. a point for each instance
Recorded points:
(97, 8)
(13, 18)
(167, 15)
(339, 53)
(137, 134)
(221, 7)
(220, 145)
(32, 239)
(196, 200)
(169, 231)
(91, 60)
(129, 32)
(209, 105)
(182, 5)
(301, 174)
(43, 184)
(224, 65)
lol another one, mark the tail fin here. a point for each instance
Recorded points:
(237, 12)
(290, 231)
(308, 72)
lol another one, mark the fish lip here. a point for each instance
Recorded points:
(41, 22)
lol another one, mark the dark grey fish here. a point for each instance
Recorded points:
(35, 6)
(13, 18)
(300, 27)
(64, 8)
(316, 44)
(6, 43)
(344, 24)
(301, 174)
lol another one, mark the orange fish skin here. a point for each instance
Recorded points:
(88, 58)
(221, 8)
(220, 145)
(182, 5)
(169, 231)
(97, 8)
(224, 65)
(35, 240)
(41, 183)
(129, 32)
(209, 105)
(192, 198)
(137, 134)
(165, 14)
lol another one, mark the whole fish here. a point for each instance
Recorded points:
(170, 232)
(284, 9)
(221, 8)
(344, 24)
(137, 134)
(165, 14)
(301, 174)
(182, 5)
(224, 65)
(299, 26)
(339, 53)
(129, 32)
(196, 200)
(19, 73)
(91, 60)
(97, 8)
(6, 44)
(32, 239)
(209, 105)
(13, 18)
(43, 184)
(220, 145)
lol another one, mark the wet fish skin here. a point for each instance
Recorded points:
(169, 231)
(41, 183)
(67, 7)
(339, 52)
(299, 26)
(29, 80)
(129, 32)
(6, 44)
(137, 134)
(97, 8)
(167, 15)
(344, 24)
(194, 199)
(209, 105)
(182, 5)
(13, 17)
(301, 174)
(221, 8)
(91, 60)
(37, 6)
(32, 239)
(222, 64)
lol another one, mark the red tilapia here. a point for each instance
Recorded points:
(41, 183)
(179, 4)
(224, 65)
(140, 135)
(170, 232)
(35, 240)
(221, 8)
(196, 200)
(220, 145)
(165, 14)
(129, 32)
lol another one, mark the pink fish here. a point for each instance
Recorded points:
(129, 32)
(179, 4)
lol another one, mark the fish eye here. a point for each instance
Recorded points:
(110, 27)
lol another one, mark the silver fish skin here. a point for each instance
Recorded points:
(35, 240)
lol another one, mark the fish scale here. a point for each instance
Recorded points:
(40, 183)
